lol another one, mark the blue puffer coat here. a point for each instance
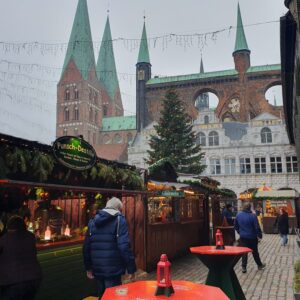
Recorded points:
(246, 224)
(106, 248)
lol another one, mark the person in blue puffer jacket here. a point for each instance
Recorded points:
(106, 251)
(246, 224)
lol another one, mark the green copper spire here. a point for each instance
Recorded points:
(144, 52)
(80, 47)
(240, 39)
(106, 66)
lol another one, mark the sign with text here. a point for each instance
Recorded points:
(74, 153)
(171, 193)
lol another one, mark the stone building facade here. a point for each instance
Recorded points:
(244, 138)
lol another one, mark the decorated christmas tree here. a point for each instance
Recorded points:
(175, 138)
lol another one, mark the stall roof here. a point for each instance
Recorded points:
(277, 194)
(171, 184)
(17, 183)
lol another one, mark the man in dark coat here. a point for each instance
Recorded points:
(227, 215)
(282, 222)
(246, 224)
(106, 250)
(20, 272)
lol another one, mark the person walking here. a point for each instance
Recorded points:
(20, 272)
(227, 215)
(106, 251)
(282, 221)
(246, 224)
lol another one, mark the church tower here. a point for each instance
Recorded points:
(143, 74)
(241, 53)
(107, 75)
(79, 92)
(202, 101)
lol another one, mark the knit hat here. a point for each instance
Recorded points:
(114, 203)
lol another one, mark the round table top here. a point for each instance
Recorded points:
(145, 290)
(211, 250)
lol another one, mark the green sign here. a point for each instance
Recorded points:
(171, 193)
(74, 153)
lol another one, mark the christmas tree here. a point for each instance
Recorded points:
(175, 138)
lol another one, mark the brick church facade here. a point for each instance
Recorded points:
(89, 101)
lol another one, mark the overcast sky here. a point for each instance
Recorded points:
(26, 102)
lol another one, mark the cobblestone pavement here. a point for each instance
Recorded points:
(272, 283)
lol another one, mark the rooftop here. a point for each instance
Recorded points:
(119, 123)
(207, 75)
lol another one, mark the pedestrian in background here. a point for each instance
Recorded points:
(282, 221)
(20, 272)
(227, 215)
(106, 250)
(246, 224)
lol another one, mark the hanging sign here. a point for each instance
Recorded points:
(74, 153)
(171, 193)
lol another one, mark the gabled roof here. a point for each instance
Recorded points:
(240, 38)
(119, 123)
(207, 75)
(144, 51)
(265, 116)
(80, 46)
(201, 66)
(106, 66)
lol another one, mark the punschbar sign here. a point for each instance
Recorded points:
(74, 153)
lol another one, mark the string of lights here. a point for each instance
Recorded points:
(198, 40)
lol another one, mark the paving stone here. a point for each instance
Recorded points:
(273, 283)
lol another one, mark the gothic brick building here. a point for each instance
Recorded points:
(89, 101)
(244, 138)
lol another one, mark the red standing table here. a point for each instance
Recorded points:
(220, 264)
(145, 290)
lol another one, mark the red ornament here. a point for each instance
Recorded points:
(164, 284)
(219, 240)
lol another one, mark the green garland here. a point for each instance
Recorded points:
(269, 198)
(215, 191)
(154, 167)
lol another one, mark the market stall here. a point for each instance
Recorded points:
(56, 201)
(271, 201)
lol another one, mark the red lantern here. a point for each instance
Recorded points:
(219, 240)
(164, 284)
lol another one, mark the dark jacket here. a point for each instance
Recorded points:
(18, 261)
(282, 222)
(106, 248)
(246, 224)
(226, 213)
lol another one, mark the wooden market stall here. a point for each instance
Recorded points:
(57, 202)
(271, 201)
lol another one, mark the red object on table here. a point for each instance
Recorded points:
(211, 250)
(184, 290)
(219, 240)
(164, 285)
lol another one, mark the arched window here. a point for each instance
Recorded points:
(106, 139)
(67, 114)
(90, 94)
(76, 113)
(96, 117)
(213, 139)
(67, 94)
(76, 131)
(96, 98)
(105, 110)
(206, 119)
(201, 139)
(76, 94)
(266, 135)
(117, 139)
(65, 131)
(90, 114)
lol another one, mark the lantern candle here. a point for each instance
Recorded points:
(164, 284)
(219, 240)
(47, 234)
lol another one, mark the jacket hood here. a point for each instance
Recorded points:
(105, 215)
